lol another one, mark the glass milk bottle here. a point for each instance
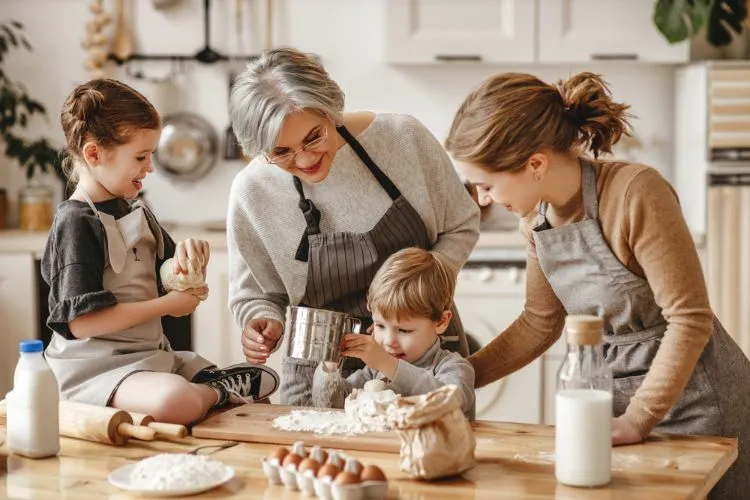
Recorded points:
(583, 407)
(33, 421)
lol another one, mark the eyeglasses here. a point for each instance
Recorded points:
(309, 145)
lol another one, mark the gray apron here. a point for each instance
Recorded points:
(342, 265)
(588, 278)
(90, 370)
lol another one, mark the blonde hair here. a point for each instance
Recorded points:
(412, 283)
(511, 116)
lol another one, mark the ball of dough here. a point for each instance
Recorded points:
(181, 282)
(375, 385)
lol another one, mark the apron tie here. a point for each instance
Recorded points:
(312, 221)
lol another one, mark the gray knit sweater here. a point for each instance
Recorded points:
(264, 223)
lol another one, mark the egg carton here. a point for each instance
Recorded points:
(333, 476)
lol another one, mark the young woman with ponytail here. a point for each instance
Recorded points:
(605, 238)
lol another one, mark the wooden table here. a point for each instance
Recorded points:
(515, 461)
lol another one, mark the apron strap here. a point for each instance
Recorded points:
(311, 212)
(88, 200)
(588, 186)
(382, 179)
(542, 213)
(312, 221)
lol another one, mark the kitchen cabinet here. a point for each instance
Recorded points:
(525, 31)
(18, 306)
(601, 30)
(430, 31)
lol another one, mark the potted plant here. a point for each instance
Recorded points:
(35, 155)
(679, 20)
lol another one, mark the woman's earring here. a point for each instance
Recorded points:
(538, 177)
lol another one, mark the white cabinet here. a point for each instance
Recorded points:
(18, 306)
(591, 30)
(525, 31)
(488, 300)
(429, 31)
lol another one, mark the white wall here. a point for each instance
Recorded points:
(346, 33)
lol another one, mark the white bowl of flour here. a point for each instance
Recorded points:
(171, 474)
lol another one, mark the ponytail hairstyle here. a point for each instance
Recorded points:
(511, 116)
(104, 111)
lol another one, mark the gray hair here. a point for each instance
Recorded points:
(279, 83)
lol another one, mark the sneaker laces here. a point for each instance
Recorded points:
(235, 386)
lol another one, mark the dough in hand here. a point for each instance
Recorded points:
(375, 385)
(181, 282)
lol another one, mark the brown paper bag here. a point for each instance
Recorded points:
(436, 438)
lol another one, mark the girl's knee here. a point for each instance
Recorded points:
(180, 404)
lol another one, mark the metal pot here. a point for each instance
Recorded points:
(315, 334)
(188, 148)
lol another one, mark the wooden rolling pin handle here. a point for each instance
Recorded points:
(136, 431)
(171, 430)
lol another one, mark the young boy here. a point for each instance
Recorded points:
(410, 300)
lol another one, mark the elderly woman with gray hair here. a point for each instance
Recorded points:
(326, 199)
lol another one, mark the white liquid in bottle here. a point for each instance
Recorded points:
(33, 407)
(583, 437)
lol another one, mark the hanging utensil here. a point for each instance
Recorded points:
(122, 43)
(188, 148)
(164, 4)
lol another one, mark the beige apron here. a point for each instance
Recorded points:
(90, 370)
(341, 267)
(588, 278)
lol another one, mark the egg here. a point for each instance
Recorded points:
(345, 478)
(372, 473)
(353, 465)
(292, 459)
(319, 454)
(309, 464)
(329, 470)
(279, 454)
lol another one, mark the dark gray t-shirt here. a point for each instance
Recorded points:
(74, 261)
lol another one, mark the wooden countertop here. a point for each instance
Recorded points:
(515, 461)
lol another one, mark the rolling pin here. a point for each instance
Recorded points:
(100, 424)
(161, 428)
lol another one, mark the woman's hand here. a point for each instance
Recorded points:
(189, 253)
(623, 432)
(364, 347)
(183, 303)
(259, 338)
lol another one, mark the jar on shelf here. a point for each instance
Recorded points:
(3, 209)
(35, 208)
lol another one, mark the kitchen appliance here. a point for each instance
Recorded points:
(315, 334)
(712, 178)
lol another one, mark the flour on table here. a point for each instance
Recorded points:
(169, 471)
(363, 412)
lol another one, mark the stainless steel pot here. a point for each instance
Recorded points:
(315, 334)
(188, 148)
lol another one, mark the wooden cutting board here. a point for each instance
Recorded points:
(253, 424)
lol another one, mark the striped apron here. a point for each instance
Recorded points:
(588, 278)
(342, 265)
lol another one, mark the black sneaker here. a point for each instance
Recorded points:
(240, 383)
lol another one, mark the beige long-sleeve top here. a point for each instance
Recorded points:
(641, 220)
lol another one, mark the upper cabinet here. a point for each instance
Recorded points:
(592, 30)
(525, 31)
(425, 31)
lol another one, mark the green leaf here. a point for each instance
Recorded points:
(17, 24)
(679, 20)
(11, 36)
(727, 17)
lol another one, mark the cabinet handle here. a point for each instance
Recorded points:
(614, 57)
(458, 58)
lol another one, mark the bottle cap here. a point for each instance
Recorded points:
(31, 346)
(584, 329)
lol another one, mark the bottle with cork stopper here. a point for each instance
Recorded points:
(583, 407)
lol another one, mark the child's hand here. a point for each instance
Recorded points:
(193, 253)
(330, 367)
(365, 348)
(182, 303)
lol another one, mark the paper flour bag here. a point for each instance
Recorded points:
(436, 438)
